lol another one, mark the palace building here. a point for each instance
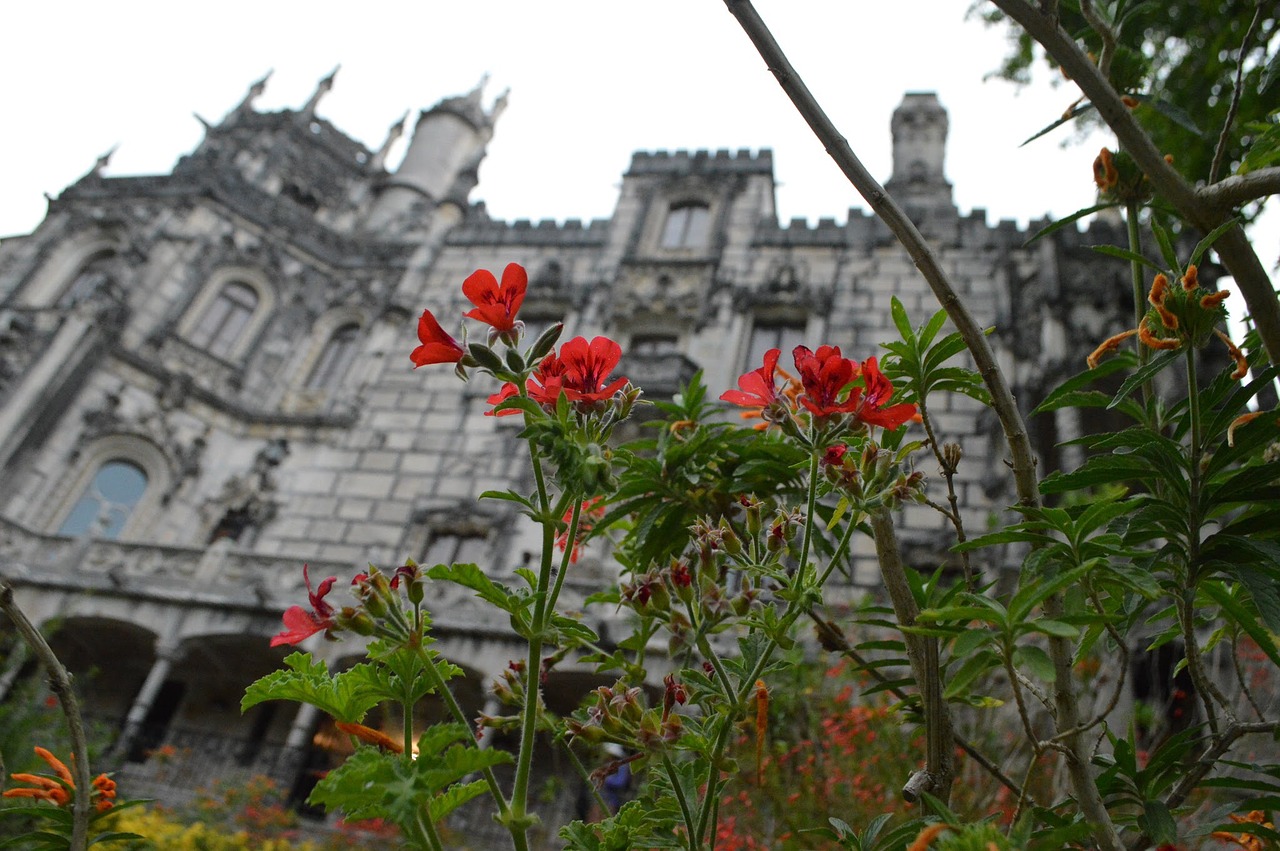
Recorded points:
(205, 384)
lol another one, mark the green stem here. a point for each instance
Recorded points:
(711, 798)
(532, 690)
(694, 840)
(455, 709)
(585, 775)
(567, 559)
(428, 832)
(810, 515)
(1139, 291)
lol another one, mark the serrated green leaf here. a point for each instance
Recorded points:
(471, 576)
(346, 696)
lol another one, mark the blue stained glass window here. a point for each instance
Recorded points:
(108, 501)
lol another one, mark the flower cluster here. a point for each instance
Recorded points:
(379, 611)
(1185, 315)
(59, 789)
(831, 387)
(618, 715)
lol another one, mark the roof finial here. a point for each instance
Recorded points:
(474, 94)
(499, 105)
(101, 163)
(394, 133)
(321, 89)
(255, 91)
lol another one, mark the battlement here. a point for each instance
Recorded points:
(546, 232)
(743, 161)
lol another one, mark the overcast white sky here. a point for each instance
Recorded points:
(591, 81)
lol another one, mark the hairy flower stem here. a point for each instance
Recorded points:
(922, 653)
(694, 841)
(520, 819)
(60, 685)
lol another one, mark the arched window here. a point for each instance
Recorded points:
(335, 359)
(224, 320)
(108, 501)
(687, 226)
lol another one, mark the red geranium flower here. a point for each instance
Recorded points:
(437, 346)
(878, 391)
(496, 304)
(758, 388)
(543, 387)
(302, 624)
(587, 366)
(825, 374)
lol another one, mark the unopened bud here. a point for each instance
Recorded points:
(485, 357)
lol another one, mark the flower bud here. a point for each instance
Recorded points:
(514, 362)
(485, 357)
(546, 342)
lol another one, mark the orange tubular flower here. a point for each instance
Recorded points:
(1160, 292)
(1105, 174)
(1247, 841)
(370, 736)
(1109, 345)
(1243, 419)
(926, 837)
(1242, 365)
(1191, 278)
(1152, 341)
(1214, 300)
(57, 792)
(496, 304)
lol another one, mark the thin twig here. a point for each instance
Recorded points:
(60, 684)
(1221, 152)
(947, 466)
(833, 640)
(1240, 678)
(1105, 32)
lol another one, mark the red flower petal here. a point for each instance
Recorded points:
(437, 346)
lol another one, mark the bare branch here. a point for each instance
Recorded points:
(1238, 189)
(1105, 32)
(1220, 154)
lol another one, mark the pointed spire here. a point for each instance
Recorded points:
(255, 92)
(395, 132)
(475, 94)
(102, 162)
(499, 105)
(322, 89)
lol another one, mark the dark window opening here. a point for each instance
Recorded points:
(687, 226)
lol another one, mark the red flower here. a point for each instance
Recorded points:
(302, 624)
(591, 511)
(496, 304)
(878, 391)
(437, 346)
(543, 387)
(825, 374)
(586, 367)
(758, 388)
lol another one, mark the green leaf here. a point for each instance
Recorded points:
(471, 576)
(1125, 254)
(1157, 822)
(1145, 374)
(1061, 223)
(1036, 660)
(1058, 629)
(346, 696)
(1243, 617)
(455, 796)
(1073, 113)
(1210, 238)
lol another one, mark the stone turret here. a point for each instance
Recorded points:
(448, 139)
(919, 147)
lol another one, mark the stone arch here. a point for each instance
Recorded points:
(57, 273)
(146, 455)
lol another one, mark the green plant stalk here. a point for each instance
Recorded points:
(427, 831)
(455, 709)
(1135, 275)
(567, 560)
(529, 716)
(694, 840)
(710, 802)
(584, 774)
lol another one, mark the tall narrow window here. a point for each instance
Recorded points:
(773, 336)
(332, 365)
(687, 226)
(108, 501)
(224, 320)
(654, 345)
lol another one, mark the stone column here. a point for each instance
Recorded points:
(289, 762)
(166, 655)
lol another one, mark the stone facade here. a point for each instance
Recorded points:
(204, 384)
